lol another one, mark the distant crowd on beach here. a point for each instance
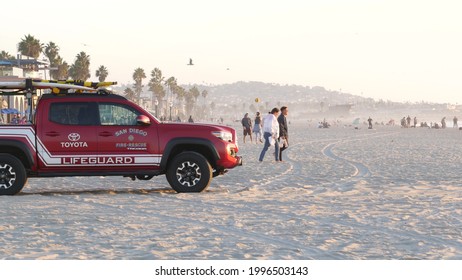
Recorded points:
(406, 123)
(15, 119)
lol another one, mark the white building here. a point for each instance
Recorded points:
(21, 67)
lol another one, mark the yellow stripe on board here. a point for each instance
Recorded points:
(78, 83)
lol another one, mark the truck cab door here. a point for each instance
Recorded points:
(67, 136)
(124, 144)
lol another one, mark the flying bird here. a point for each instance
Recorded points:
(190, 62)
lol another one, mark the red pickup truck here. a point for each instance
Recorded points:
(108, 135)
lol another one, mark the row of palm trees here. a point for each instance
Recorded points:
(164, 90)
(60, 69)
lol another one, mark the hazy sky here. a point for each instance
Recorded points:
(393, 49)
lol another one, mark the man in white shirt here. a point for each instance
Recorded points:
(271, 133)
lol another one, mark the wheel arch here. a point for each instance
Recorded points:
(176, 146)
(19, 150)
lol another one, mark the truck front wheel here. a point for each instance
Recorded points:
(189, 172)
(12, 175)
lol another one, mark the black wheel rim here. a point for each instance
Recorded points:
(7, 176)
(188, 174)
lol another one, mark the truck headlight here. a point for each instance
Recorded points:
(223, 135)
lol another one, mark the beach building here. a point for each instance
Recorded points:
(14, 69)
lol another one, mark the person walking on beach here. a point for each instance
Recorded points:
(443, 122)
(455, 125)
(415, 122)
(257, 128)
(271, 133)
(408, 119)
(283, 131)
(370, 122)
(247, 126)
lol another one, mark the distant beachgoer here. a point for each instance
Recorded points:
(408, 119)
(403, 122)
(443, 123)
(23, 120)
(283, 131)
(271, 133)
(15, 119)
(190, 119)
(369, 120)
(247, 126)
(455, 125)
(257, 128)
(415, 121)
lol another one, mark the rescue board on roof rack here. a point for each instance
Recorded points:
(94, 85)
(50, 84)
(41, 85)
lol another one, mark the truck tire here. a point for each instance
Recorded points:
(12, 175)
(189, 172)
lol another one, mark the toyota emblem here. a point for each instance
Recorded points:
(74, 137)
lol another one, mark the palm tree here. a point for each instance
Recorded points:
(195, 92)
(63, 69)
(80, 70)
(155, 83)
(6, 55)
(30, 46)
(138, 76)
(155, 86)
(171, 84)
(102, 73)
(204, 95)
(191, 97)
(51, 52)
(180, 92)
(130, 94)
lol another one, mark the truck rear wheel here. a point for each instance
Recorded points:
(12, 175)
(189, 172)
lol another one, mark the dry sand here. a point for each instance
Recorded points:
(386, 193)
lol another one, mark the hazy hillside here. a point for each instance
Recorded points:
(232, 101)
(315, 102)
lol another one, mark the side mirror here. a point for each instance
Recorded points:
(143, 120)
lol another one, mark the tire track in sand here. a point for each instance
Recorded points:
(361, 171)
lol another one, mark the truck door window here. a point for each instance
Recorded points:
(73, 113)
(117, 114)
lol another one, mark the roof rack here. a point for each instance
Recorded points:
(59, 87)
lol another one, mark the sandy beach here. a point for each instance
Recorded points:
(341, 193)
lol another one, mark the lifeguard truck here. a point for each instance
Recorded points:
(92, 132)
